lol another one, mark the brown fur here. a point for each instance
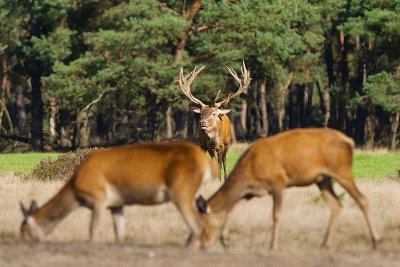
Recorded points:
(215, 128)
(137, 174)
(294, 158)
(216, 138)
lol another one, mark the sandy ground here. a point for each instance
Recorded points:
(85, 254)
(156, 235)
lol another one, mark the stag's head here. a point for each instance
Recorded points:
(211, 114)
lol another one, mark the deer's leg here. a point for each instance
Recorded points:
(225, 230)
(224, 162)
(186, 203)
(329, 195)
(220, 156)
(119, 223)
(277, 196)
(97, 210)
(193, 220)
(347, 182)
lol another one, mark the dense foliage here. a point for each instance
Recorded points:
(97, 73)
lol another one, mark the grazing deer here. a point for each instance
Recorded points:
(215, 128)
(144, 174)
(294, 158)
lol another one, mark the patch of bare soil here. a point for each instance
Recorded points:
(87, 254)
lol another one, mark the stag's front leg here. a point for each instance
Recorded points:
(224, 162)
(220, 157)
(212, 155)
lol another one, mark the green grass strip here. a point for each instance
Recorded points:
(20, 164)
(366, 166)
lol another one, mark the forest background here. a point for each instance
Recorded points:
(82, 73)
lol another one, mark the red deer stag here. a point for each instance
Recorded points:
(215, 128)
(294, 158)
(144, 174)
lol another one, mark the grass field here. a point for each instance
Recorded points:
(367, 165)
(160, 230)
(19, 164)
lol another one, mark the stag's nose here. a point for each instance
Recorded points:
(203, 124)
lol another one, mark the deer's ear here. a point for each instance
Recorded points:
(224, 111)
(34, 207)
(24, 211)
(195, 109)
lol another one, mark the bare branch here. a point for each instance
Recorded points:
(170, 7)
(16, 138)
(203, 57)
(93, 102)
(199, 29)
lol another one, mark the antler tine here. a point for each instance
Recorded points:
(216, 99)
(184, 84)
(244, 83)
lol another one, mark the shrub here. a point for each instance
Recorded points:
(60, 169)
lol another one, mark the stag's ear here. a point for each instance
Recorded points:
(34, 207)
(195, 109)
(24, 211)
(224, 111)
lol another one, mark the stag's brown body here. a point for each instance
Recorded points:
(217, 138)
(142, 174)
(294, 158)
(215, 128)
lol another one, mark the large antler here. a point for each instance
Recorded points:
(244, 83)
(185, 85)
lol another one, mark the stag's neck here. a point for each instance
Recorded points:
(56, 209)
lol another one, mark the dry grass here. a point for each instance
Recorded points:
(303, 221)
(238, 148)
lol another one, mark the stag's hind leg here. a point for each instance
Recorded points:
(329, 195)
(347, 182)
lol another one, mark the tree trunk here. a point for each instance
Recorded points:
(21, 112)
(263, 107)
(329, 59)
(3, 88)
(308, 92)
(185, 129)
(82, 124)
(324, 104)
(168, 117)
(394, 124)
(230, 115)
(36, 95)
(331, 79)
(243, 116)
(65, 129)
(293, 111)
(281, 103)
(53, 113)
(256, 110)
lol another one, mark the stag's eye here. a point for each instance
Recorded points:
(213, 113)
